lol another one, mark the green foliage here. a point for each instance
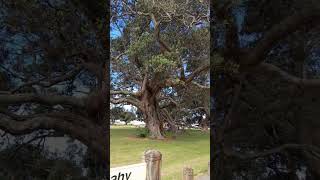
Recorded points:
(115, 113)
(161, 63)
(142, 132)
(145, 49)
(141, 45)
(140, 48)
(127, 116)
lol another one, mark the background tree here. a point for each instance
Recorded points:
(115, 113)
(128, 116)
(152, 55)
(265, 71)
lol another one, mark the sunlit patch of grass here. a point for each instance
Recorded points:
(188, 149)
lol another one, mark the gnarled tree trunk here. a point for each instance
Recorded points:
(172, 126)
(150, 110)
(204, 124)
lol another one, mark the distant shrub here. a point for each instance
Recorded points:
(142, 132)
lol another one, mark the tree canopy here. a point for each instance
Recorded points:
(159, 52)
(264, 57)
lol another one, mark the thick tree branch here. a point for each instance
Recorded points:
(171, 101)
(42, 99)
(144, 83)
(278, 32)
(189, 79)
(157, 33)
(12, 115)
(123, 92)
(176, 104)
(71, 124)
(197, 72)
(47, 82)
(200, 86)
(168, 118)
(129, 100)
(288, 77)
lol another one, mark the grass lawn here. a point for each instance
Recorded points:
(191, 148)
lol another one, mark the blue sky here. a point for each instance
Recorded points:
(114, 33)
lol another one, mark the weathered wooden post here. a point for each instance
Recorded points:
(187, 173)
(153, 161)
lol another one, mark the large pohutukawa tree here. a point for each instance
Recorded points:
(54, 69)
(157, 46)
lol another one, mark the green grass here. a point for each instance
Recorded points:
(189, 149)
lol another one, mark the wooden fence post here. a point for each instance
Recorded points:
(153, 160)
(187, 173)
